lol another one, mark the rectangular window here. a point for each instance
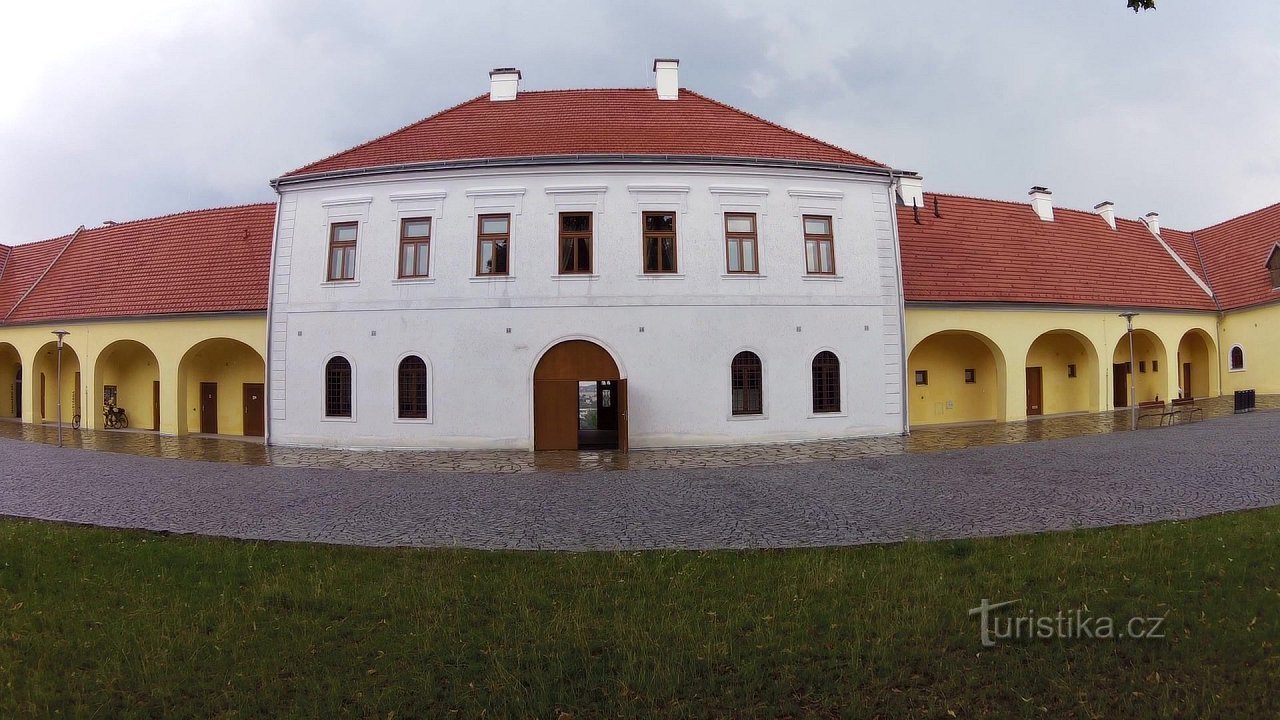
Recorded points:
(740, 246)
(1071, 371)
(342, 251)
(922, 377)
(819, 245)
(493, 241)
(1142, 366)
(1155, 366)
(575, 243)
(970, 376)
(659, 242)
(415, 247)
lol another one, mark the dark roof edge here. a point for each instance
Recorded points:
(134, 318)
(587, 159)
(1033, 306)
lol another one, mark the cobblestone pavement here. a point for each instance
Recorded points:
(927, 439)
(1186, 471)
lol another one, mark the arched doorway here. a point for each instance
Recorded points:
(1197, 369)
(128, 376)
(1148, 368)
(45, 379)
(10, 382)
(221, 388)
(955, 376)
(579, 399)
(1062, 374)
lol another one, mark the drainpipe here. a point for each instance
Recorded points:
(902, 300)
(271, 295)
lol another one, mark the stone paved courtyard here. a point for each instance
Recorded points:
(886, 491)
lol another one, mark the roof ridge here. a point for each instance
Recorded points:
(179, 213)
(47, 268)
(1239, 217)
(1028, 205)
(783, 128)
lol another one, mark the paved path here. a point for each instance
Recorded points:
(1227, 464)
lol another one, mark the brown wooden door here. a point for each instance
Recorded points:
(624, 443)
(1120, 385)
(155, 405)
(209, 408)
(255, 410)
(555, 414)
(1186, 381)
(1035, 392)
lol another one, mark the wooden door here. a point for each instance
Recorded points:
(1120, 385)
(624, 443)
(1186, 381)
(555, 414)
(1035, 392)
(155, 405)
(209, 408)
(255, 410)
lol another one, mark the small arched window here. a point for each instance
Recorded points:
(1237, 358)
(337, 388)
(826, 383)
(747, 376)
(413, 388)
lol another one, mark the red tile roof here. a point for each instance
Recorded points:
(995, 251)
(194, 262)
(587, 122)
(1235, 256)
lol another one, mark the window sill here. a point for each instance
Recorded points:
(743, 276)
(747, 418)
(571, 277)
(812, 277)
(412, 421)
(661, 276)
(337, 419)
(340, 283)
(819, 416)
(492, 278)
(1235, 370)
(414, 281)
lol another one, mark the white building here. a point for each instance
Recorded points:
(709, 276)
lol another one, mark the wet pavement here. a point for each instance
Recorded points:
(922, 440)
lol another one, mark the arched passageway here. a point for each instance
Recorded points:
(10, 382)
(127, 375)
(579, 399)
(1197, 365)
(221, 389)
(1147, 367)
(1062, 374)
(45, 384)
(955, 376)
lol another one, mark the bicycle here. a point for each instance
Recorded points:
(75, 421)
(115, 417)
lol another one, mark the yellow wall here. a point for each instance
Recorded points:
(947, 398)
(1014, 329)
(168, 341)
(229, 364)
(1257, 332)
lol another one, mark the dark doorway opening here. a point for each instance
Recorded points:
(1120, 383)
(598, 415)
(1035, 392)
(209, 408)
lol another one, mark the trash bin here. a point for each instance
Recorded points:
(1245, 401)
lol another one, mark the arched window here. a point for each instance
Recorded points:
(413, 388)
(1237, 358)
(337, 388)
(748, 384)
(826, 383)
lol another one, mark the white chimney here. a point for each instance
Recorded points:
(1042, 202)
(1107, 210)
(504, 83)
(1153, 223)
(668, 77)
(911, 191)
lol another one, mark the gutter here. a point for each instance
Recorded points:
(271, 296)
(902, 297)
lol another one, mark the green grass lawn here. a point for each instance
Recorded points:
(105, 623)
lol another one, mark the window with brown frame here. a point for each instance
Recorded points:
(1273, 264)
(493, 244)
(337, 388)
(342, 251)
(1237, 358)
(575, 243)
(819, 245)
(415, 247)
(413, 388)
(747, 375)
(826, 383)
(659, 242)
(740, 245)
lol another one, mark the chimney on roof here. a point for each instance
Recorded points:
(1042, 202)
(667, 71)
(911, 190)
(1107, 210)
(504, 83)
(1153, 223)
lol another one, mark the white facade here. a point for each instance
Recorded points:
(672, 336)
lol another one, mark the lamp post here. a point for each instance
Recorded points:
(61, 334)
(1133, 379)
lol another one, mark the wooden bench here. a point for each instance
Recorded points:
(1157, 408)
(1187, 406)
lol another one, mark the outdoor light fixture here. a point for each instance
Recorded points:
(61, 334)
(1133, 382)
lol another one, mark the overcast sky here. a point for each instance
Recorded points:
(136, 108)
